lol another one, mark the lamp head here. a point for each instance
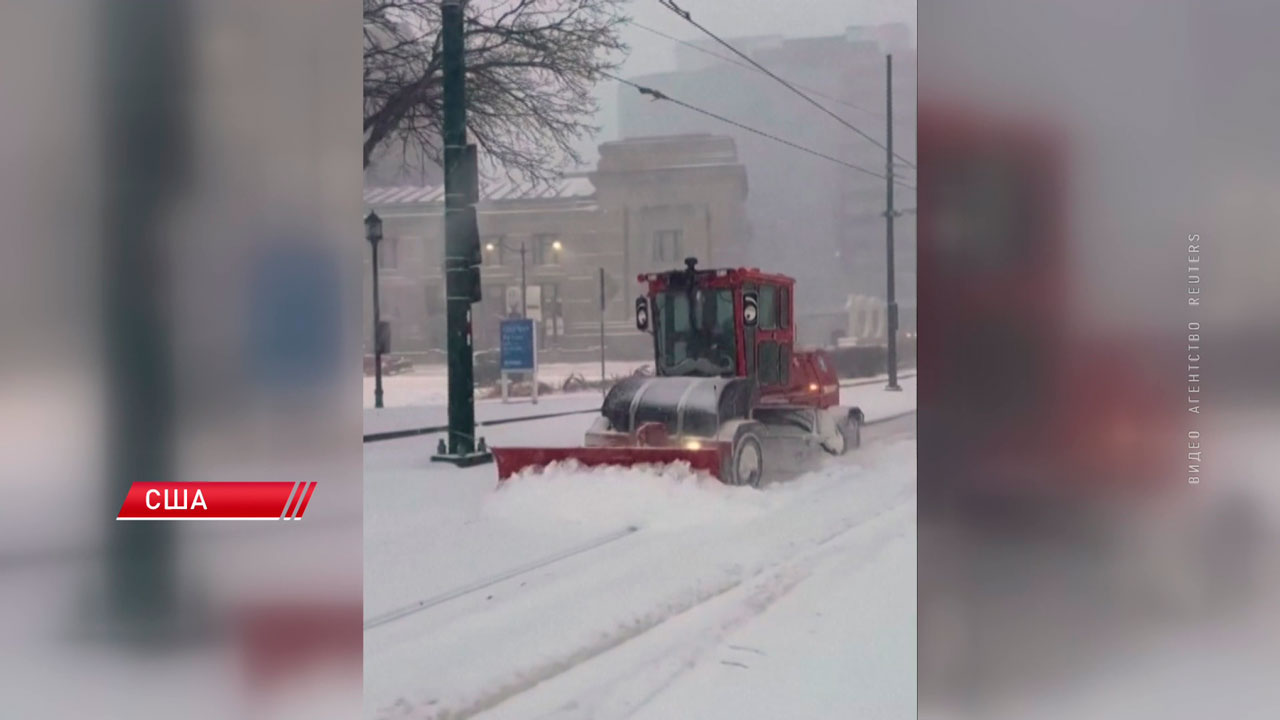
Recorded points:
(372, 227)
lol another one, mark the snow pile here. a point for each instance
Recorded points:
(658, 497)
(428, 384)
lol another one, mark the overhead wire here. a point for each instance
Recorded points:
(659, 95)
(744, 66)
(684, 14)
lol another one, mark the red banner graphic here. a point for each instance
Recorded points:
(216, 501)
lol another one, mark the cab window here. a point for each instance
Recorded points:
(696, 334)
(768, 307)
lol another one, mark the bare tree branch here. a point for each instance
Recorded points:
(531, 66)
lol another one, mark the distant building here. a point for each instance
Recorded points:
(650, 203)
(813, 219)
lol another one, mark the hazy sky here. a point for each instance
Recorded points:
(727, 18)
(732, 18)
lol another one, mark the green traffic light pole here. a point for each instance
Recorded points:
(145, 156)
(461, 248)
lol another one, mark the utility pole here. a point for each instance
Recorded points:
(602, 379)
(892, 304)
(462, 246)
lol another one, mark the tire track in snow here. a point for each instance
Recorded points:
(549, 561)
(530, 677)
(421, 605)
(638, 682)
(757, 604)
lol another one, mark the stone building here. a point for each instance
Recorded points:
(650, 202)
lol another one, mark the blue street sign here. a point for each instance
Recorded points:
(293, 336)
(516, 338)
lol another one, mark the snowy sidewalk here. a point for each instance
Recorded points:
(429, 384)
(391, 419)
(868, 394)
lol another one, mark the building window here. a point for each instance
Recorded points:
(552, 314)
(667, 246)
(545, 250)
(512, 302)
(434, 321)
(389, 254)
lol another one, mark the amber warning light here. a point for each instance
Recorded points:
(216, 501)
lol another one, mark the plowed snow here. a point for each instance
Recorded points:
(657, 498)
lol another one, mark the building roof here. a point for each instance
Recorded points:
(570, 187)
(664, 152)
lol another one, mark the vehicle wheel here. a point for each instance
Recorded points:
(851, 429)
(746, 462)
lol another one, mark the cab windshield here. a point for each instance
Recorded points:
(695, 332)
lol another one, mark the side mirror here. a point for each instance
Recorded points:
(750, 309)
(642, 314)
(382, 344)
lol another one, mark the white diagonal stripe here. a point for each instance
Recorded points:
(292, 490)
(306, 488)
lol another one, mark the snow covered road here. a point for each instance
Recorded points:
(797, 600)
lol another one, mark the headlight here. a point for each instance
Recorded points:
(692, 445)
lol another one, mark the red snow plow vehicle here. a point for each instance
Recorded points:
(731, 396)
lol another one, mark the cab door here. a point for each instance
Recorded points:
(772, 338)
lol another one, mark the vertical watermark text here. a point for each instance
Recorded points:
(1194, 334)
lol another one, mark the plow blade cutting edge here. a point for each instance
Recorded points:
(512, 460)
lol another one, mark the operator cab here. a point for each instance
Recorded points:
(719, 323)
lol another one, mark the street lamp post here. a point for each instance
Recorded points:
(373, 233)
(891, 301)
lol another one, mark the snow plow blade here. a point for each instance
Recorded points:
(512, 460)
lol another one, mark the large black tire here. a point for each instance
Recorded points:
(746, 459)
(851, 429)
